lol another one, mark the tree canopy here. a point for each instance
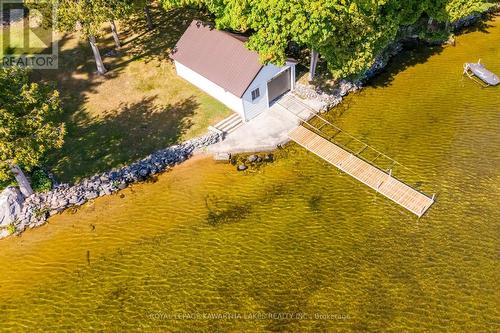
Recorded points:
(85, 16)
(453, 10)
(28, 129)
(348, 34)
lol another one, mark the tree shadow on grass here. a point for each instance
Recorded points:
(157, 43)
(75, 78)
(99, 139)
(119, 137)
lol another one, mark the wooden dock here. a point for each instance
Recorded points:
(382, 182)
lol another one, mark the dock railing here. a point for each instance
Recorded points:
(331, 132)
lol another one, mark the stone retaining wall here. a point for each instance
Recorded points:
(37, 208)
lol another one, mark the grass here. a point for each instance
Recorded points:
(13, 37)
(139, 106)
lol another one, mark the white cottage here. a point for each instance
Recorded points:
(218, 63)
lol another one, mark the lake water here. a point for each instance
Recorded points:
(295, 245)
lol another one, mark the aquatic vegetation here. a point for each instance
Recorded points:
(314, 202)
(220, 212)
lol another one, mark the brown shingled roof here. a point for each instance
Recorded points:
(218, 56)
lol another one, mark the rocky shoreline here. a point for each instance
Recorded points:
(22, 213)
(325, 100)
(34, 211)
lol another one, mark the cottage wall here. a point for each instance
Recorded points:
(244, 106)
(261, 104)
(219, 93)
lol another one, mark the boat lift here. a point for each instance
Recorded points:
(479, 74)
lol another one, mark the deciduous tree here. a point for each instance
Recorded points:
(28, 129)
(84, 16)
(348, 34)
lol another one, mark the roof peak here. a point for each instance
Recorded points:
(219, 56)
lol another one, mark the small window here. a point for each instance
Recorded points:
(255, 94)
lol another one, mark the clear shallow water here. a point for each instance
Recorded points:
(296, 236)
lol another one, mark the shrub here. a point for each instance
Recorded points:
(6, 183)
(40, 181)
(11, 229)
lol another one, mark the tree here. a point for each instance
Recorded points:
(87, 17)
(28, 129)
(118, 10)
(149, 17)
(114, 32)
(84, 16)
(143, 6)
(123, 9)
(348, 34)
(453, 10)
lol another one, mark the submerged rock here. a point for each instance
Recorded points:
(268, 158)
(252, 158)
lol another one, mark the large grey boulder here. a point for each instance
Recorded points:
(11, 202)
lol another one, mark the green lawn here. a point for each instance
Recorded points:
(141, 105)
(14, 39)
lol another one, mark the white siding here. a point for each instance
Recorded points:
(232, 101)
(254, 108)
(244, 106)
(261, 104)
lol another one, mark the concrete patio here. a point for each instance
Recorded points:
(266, 131)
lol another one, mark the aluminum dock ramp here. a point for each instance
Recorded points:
(382, 182)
